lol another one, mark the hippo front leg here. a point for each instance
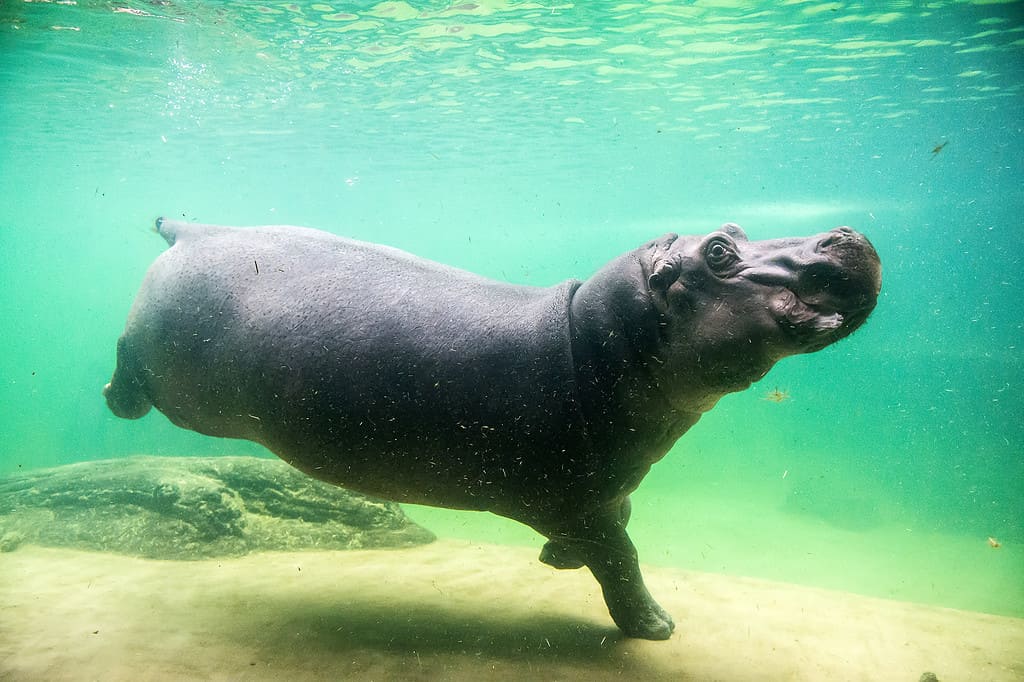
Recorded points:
(607, 551)
(631, 606)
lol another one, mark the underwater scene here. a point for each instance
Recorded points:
(858, 513)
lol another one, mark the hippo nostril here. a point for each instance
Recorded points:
(839, 235)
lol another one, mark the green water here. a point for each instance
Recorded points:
(532, 142)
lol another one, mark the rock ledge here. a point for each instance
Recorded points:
(193, 508)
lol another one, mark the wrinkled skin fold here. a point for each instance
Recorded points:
(375, 370)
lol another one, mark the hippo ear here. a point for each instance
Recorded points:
(734, 231)
(666, 272)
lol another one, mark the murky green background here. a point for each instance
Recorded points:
(532, 142)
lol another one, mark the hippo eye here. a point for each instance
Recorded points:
(719, 254)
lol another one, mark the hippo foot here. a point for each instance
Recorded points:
(126, 403)
(647, 621)
(125, 394)
(560, 555)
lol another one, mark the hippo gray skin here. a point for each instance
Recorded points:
(398, 377)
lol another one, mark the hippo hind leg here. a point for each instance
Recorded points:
(561, 553)
(126, 394)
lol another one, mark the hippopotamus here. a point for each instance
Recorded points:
(402, 378)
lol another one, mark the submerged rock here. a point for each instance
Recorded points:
(192, 508)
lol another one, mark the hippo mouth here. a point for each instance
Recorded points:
(804, 322)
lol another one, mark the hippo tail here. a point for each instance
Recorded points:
(173, 230)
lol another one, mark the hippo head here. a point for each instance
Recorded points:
(730, 308)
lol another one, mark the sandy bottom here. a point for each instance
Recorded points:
(457, 610)
(753, 537)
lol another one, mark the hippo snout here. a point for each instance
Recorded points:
(852, 271)
(838, 236)
(819, 289)
(852, 249)
(841, 281)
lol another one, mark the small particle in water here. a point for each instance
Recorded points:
(939, 147)
(776, 396)
(994, 544)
